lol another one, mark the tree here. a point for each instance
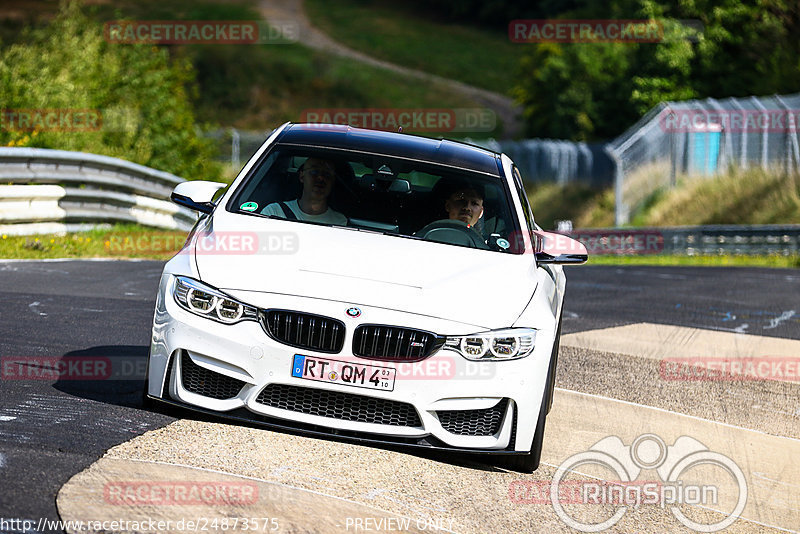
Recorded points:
(596, 90)
(140, 95)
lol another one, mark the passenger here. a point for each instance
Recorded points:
(318, 177)
(465, 204)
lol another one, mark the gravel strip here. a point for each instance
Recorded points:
(768, 405)
(452, 495)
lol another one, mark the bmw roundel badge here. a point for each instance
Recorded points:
(353, 312)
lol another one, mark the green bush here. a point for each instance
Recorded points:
(141, 96)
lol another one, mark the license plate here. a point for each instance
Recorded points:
(346, 373)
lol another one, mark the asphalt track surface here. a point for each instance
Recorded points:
(51, 430)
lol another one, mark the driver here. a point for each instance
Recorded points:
(465, 204)
(318, 177)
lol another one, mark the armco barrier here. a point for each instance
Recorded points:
(692, 240)
(56, 190)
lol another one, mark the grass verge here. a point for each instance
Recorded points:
(393, 32)
(786, 262)
(258, 87)
(121, 241)
(753, 196)
(586, 207)
(127, 241)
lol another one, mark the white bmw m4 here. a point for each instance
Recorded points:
(376, 286)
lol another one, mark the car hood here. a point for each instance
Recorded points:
(476, 287)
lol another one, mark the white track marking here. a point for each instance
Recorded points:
(34, 307)
(785, 316)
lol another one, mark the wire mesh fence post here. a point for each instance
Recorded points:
(235, 145)
(620, 210)
(792, 145)
(673, 157)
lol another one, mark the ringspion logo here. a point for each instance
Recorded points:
(687, 471)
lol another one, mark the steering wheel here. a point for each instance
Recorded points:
(453, 232)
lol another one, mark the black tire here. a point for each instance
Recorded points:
(147, 402)
(551, 372)
(528, 463)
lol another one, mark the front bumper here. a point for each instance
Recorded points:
(450, 396)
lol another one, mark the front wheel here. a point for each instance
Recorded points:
(528, 463)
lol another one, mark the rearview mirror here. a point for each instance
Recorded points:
(196, 195)
(399, 185)
(559, 249)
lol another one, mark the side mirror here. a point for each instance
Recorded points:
(196, 195)
(559, 249)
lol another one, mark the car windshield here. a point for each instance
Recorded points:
(395, 196)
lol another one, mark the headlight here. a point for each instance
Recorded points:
(206, 301)
(509, 344)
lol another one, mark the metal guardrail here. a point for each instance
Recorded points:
(56, 190)
(693, 240)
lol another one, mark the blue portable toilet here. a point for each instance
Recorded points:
(704, 149)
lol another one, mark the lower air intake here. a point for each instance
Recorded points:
(338, 405)
(201, 381)
(474, 422)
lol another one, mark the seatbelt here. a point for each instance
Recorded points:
(287, 211)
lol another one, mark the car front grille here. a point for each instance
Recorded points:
(393, 343)
(201, 381)
(473, 422)
(338, 405)
(304, 330)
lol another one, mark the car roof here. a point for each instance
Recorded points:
(441, 151)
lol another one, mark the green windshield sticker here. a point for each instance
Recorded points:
(249, 206)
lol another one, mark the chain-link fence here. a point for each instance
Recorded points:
(699, 138)
(539, 160)
(562, 162)
(674, 140)
(236, 146)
